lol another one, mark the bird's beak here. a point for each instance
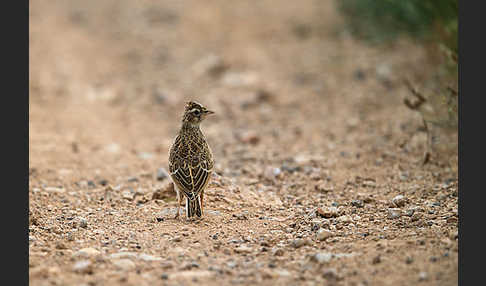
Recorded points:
(209, 112)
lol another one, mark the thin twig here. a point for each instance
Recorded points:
(420, 98)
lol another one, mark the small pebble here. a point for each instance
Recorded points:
(416, 216)
(124, 264)
(330, 273)
(132, 179)
(299, 242)
(423, 276)
(277, 251)
(323, 234)
(83, 266)
(322, 257)
(243, 249)
(357, 203)
(86, 252)
(327, 212)
(376, 259)
(103, 182)
(399, 201)
(344, 219)
(83, 222)
(147, 257)
(161, 174)
(394, 213)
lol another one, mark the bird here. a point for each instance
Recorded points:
(191, 160)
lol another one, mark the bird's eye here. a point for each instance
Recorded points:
(196, 112)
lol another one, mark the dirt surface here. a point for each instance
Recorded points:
(318, 176)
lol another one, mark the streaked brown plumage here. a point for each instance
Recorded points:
(191, 160)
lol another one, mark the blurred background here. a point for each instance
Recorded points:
(117, 73)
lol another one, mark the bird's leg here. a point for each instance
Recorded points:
(178, 202)
(202, 207)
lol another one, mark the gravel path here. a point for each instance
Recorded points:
(318, 175)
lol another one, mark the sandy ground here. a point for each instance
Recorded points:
(318, 176)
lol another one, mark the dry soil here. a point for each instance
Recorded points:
(318, 177)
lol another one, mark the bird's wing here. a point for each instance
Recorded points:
(189, 171)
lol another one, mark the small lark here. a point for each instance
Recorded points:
(191, 160)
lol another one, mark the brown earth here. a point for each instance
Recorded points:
(312, 144)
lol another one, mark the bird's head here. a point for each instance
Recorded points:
(195, 113)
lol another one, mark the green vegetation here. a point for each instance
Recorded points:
(384, 20)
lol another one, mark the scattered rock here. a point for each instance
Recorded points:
(54, 189)
(376, 259)
(409, 212)
(212, 212)
(322, 257)
(289, 167)
(452, 220)
(316, 224)
(328, 212)
(103, 182)
(60, 245)
(189, 265)
(394, 213)
(344, 219)
(272, 173)
(399, 201)
(241, 216)
(357, 203)
(323, 234)
(423, 276)
(124, 264)
(83, 222)
(128, 195)
(277, 251)
(161, 174)
(164, 192)
(416, 216)
(281, 273)
(330, 274)
(453, 235)
(123, 254)
(243, 249)
(86, 253)
(70, 236)
(369, 183)
(147, 257)
(296, 243)
(83, 266)
(132, 179)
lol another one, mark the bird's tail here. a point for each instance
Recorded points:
(193, 207)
